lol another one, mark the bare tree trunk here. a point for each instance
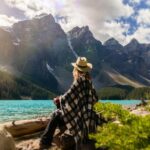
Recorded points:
(25, 127)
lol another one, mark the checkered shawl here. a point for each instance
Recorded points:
(77, 106)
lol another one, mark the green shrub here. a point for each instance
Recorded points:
(132, 133)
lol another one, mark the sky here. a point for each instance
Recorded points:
(121, 19)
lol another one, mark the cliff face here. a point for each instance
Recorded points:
(112, 61)
(7, 48)
(36, 46)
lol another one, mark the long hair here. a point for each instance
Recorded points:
(85, 74)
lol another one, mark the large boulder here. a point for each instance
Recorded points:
(65, 141)
(6, 140)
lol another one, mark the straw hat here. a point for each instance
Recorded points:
(82, 64)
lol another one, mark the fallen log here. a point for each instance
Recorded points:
(25, 127)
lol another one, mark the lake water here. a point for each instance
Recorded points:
(27, 109)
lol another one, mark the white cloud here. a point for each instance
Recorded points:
(144, 17)
(7, 21)
(113, 29)
(148, 2)
(32, 8)
(86, 12)
(142, 35)
(99, 15)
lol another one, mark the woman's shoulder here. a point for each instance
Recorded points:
(78, 81)
(82, 79)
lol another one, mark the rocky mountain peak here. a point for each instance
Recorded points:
(42, 20)
(134, 42)
(42, 42)
(133, 45)
(111, 42)
(83, 34)
(79, 29)
(42, 15)
(80, 32)
(45, 18)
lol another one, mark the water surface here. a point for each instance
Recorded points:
(27, 109)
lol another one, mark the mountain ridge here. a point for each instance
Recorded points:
(39, 49)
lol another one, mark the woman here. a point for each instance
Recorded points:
(75, 106)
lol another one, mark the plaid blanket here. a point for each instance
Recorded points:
(77, 107)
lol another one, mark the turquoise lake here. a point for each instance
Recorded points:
(27, 109)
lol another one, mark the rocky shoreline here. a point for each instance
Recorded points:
(25, 134)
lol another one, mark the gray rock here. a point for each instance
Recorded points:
(6, 140)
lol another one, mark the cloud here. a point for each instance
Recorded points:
(148, 2)
(142, 35)
(101, 16)
(144, 17)
(95, 13)
(109, 29)
(30, 8)
(7, 21)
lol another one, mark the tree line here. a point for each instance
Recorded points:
(12, 87)
(124, 92)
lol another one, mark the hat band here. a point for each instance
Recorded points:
(81, 66)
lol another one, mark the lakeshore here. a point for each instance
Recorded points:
(26, 133)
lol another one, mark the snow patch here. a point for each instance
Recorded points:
(49, 68)
(71, 47)
(16, 44)
(40, 16)
(18, 40)
(146, 79)
(130, 61)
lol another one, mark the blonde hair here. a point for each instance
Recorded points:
(80, 73)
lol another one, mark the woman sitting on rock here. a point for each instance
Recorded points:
(76, 107)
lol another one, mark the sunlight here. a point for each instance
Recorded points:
(7, 21)
(59, 4)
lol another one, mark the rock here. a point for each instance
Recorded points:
(66, 141)
(140, 112)
(61, 141)
(6, 140)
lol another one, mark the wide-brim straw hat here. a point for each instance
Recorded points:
(82, 64)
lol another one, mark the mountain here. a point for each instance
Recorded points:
(41, 52)
(133, 45)
(113, 44)
(111, 54)
(12, 87)
(129, 65)
(7, 49)
(84, 44)
(40, 44)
